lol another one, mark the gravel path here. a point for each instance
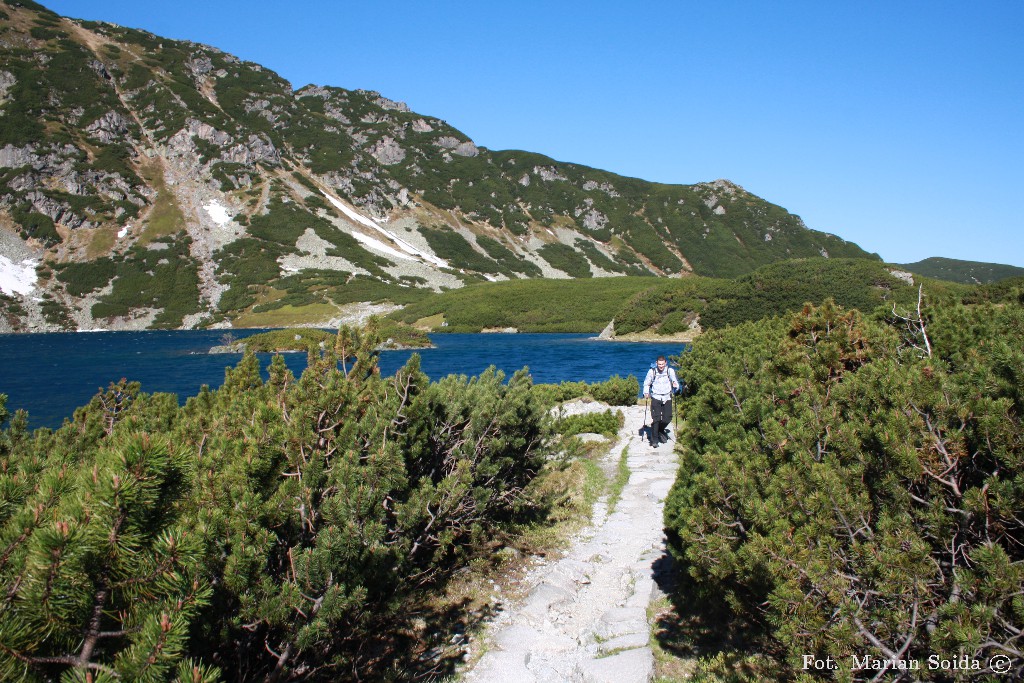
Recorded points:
(585, 618)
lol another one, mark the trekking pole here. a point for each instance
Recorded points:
(675, 425)
(647, 406)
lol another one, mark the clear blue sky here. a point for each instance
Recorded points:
(899, 126)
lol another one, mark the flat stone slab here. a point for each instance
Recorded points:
(642, 591)
(518, 636)
(630, 641)
(544, 597)
(621, 621)
(503, 666)
(632, 666)
(588, 437)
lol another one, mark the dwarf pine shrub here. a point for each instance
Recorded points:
(847, 489)
(284, 529)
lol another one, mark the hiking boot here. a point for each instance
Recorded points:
(654, 445)
(664, 438)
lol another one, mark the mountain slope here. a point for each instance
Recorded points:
(152, 182)
(967, 272)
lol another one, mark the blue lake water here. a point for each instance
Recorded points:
(50, 375)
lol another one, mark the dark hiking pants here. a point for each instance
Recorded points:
(661, 415)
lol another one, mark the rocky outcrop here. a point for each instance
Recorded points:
(57, 212)
(607, 188)
(205, 131)
(110, 128)
(7, 81)
(256, 149)
(199, 65)
(16, 157)
(466, 149)
(462, 148)
(447, 142)
(387, 151)
(902, 275)
(548, 173)
(594, 220)
(390, 105)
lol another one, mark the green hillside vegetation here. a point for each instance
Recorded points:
(286, 339)
(669, 305)
(967, 272)
(304, 527)
(161, 275)
(851, 485)
(528, 305)
(1008, 291)
(771, 290)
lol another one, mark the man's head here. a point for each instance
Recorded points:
(661, 363)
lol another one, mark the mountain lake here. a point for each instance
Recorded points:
(50, 375)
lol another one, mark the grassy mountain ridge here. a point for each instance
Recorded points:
(967, 272)
(116, 141)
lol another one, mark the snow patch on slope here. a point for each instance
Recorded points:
(402, 244)
(218, 212)
(377, 245)
(17, 278)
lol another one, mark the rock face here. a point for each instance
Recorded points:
(15, 157)
(109, 128)
(387, 151)
(131, 137)
(466, 149)
(903, 275)
(7, 80)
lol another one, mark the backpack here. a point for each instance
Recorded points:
(682, 385)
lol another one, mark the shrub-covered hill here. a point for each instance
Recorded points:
(527, 305)
(851, 486)
(163, 183)
(968, 272)
(668, 306)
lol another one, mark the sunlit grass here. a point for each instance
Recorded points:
(100, 242)
(287, 315)
(165, 218)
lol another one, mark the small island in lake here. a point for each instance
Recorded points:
(394, 335)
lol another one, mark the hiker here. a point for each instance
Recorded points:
(661, 382)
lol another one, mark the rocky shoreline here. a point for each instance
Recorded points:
(686, 337)
(682, 337)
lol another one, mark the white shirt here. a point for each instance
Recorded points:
(660, 384)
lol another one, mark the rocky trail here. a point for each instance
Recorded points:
(584, 618)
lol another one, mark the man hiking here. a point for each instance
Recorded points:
(661, 382)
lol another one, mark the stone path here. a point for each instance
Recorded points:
(585, 618)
